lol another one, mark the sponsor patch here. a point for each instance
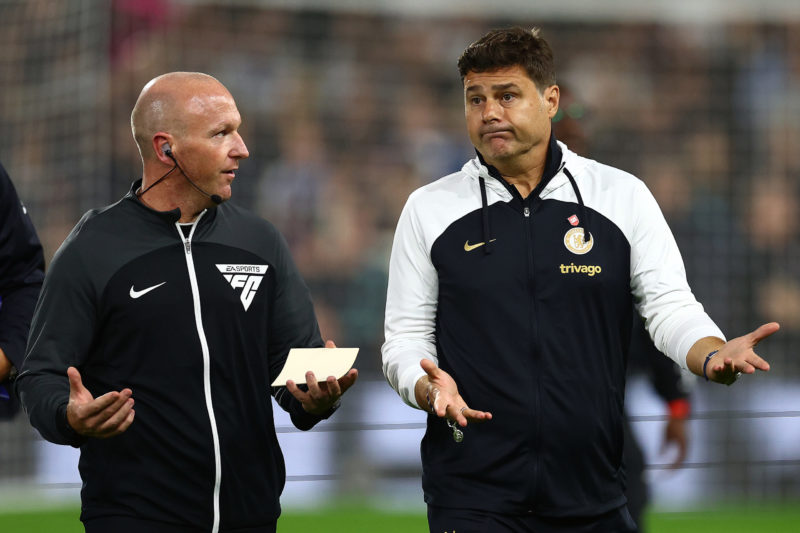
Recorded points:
(245, 277)
(589, 270)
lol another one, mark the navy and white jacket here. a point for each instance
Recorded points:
(197, 321)
(533, 323)
(21, 275)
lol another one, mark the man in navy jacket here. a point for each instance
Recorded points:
(21, 274)
(509, 310)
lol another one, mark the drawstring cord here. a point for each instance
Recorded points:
(487, 247)
(584, 219)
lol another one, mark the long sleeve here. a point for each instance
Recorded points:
(293, 325)
(673, 317)
(62, 330)
(411, 304)
(21, 272)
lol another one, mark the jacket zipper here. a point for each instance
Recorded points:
(187, 246)
(527, 211)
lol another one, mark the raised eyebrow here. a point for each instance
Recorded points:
(505, 86)
(495, 88)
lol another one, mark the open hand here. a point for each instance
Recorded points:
(737, 356)
(321, 396)
(103, 417)
(443, 397)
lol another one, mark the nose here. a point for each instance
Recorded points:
(491, 110)
(240, 149)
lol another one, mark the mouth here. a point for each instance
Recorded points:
(230, 173)
(496, 133)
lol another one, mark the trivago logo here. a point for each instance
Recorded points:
(245, 277)
(572, 268)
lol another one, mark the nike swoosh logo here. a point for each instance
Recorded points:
(138, 294)
(469, 247)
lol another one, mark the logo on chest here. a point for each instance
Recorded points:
(574, 242)
(245, 277)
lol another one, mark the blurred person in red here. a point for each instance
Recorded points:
(509, 311)
(21, 275)
(188, 304)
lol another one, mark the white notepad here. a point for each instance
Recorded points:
(323, 362)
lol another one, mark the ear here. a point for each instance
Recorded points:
(552, 95)
(160, 141)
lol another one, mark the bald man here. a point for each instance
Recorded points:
(162, 322)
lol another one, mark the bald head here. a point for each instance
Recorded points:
(166, 103)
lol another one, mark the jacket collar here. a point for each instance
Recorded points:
(552, 166)
(170, 217)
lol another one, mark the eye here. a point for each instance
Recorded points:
(220, 134)
(475, 100)
(508, 97)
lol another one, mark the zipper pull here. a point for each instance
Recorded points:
(526, 212)
(188, 245)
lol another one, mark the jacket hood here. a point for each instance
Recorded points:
(555, 175)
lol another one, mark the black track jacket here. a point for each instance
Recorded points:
(197, 327)
(533, 323)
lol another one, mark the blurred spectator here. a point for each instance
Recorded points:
(21, 275)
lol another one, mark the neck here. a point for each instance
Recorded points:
(526, 181)
(523, 171)
(173, 194)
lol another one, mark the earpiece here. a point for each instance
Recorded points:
(167, 150)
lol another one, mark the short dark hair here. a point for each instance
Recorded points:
(510, 47)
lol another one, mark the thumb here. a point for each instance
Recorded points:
(330, 344)
(429, 367)
(75, 382)
(763, 332)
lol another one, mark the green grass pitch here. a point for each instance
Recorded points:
(750, 519)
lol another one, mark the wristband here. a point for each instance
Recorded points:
(431, 409)
(705, 364)
(679, 408)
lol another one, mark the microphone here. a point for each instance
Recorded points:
(217, 199)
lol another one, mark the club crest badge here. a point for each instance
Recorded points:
(574, 242)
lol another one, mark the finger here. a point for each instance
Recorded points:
(333, 388)
(757, 362)
(457, 414)
(123, 426)
(763, 332)
(330, 344)
(300, 395)
(472, 415)
(127, 423)
(346, 381)
(101, 403)
(98, 419)
(112, 424)
(313, 387)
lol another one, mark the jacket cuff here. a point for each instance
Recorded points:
(71, 437)
(303, 420)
